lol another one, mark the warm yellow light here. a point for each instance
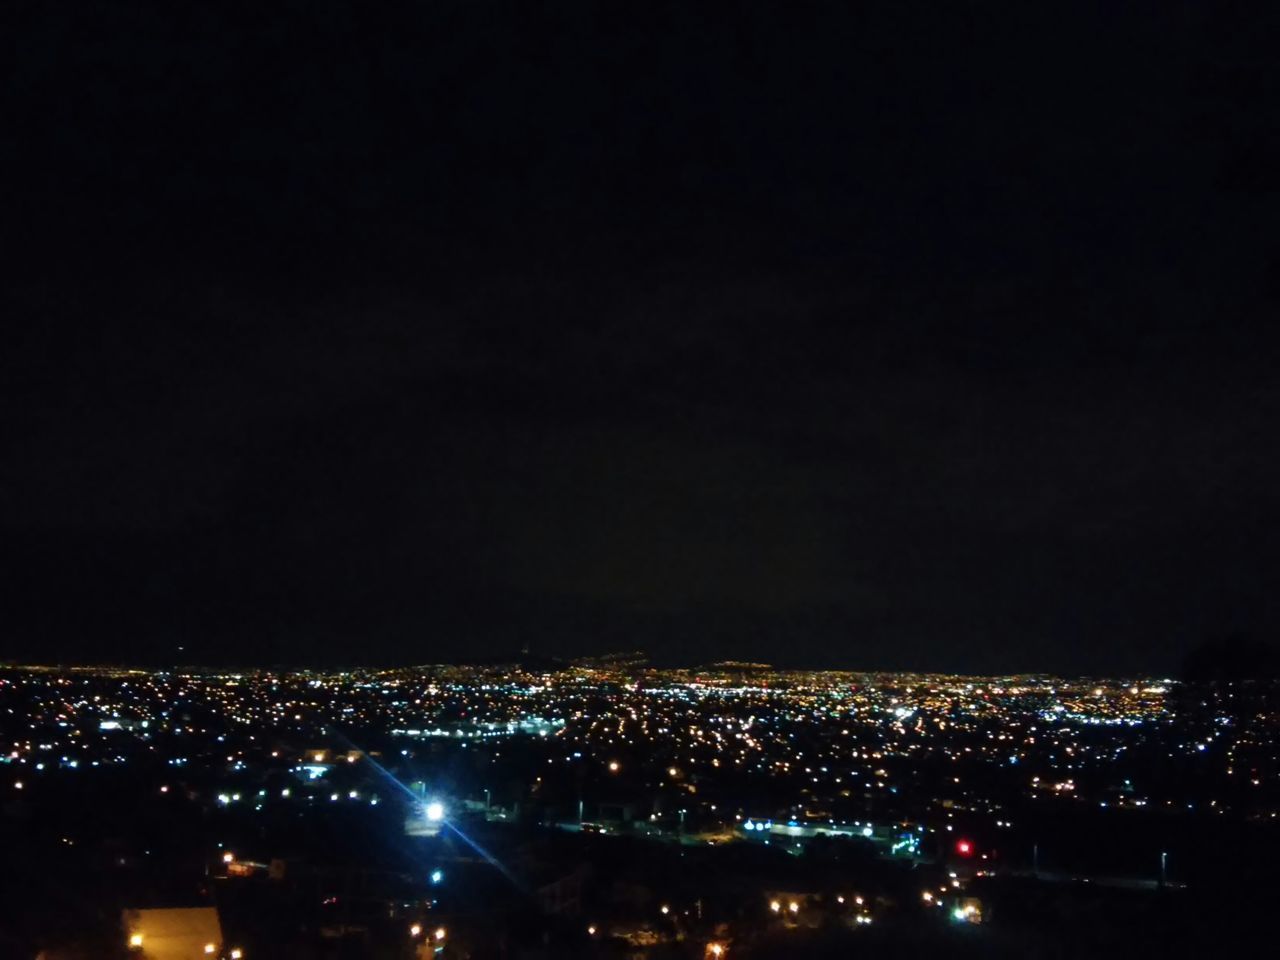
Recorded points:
(591, 930)
(135, 940)
(665, 909)
(440, 932)
(672, 772)
(928, 897)
(228, 858)
(775, 906)
(415, 930)
(716, 950)
(209, 948)
(793, 907)
(613, 766)
(237, 953)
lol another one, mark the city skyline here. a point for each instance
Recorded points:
(681, 480)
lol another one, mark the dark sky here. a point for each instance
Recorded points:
(867, 335)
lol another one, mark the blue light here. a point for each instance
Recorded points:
(437, 876)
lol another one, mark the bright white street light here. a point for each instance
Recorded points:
(435, 811)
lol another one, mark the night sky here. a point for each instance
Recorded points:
(828, 334)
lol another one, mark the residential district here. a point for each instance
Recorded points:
(606, 809)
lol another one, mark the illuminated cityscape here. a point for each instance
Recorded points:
(680, 480)
(855, 799)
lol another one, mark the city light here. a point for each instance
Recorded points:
(440, 933)
(805, 750)
(135, 940)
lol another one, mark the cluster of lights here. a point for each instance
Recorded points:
(836, 741)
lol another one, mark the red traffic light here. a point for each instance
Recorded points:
(964, 848)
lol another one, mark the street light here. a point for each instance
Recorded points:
(435, 811)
